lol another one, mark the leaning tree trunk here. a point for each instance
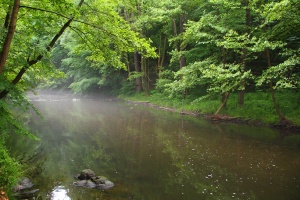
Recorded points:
(225, 97)
(282, 119)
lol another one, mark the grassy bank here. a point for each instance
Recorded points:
(258, 106)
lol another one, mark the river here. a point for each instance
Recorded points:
(153, 154)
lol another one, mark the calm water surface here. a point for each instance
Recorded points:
(155, 155)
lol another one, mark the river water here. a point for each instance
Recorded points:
(153, 154)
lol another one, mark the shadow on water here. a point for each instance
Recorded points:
(152, 154)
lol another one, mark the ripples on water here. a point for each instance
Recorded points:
(153, 154)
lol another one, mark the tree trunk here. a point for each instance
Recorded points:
(145, 77)
(10, 34)
(244, 53)
(241, 97)
(161, 54)
(3, 93)
(182, 62)
(225, 97)
(281, 117)
(7, 18)
(137, 68)
(175, 29)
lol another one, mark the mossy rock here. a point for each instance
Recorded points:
(86, 174)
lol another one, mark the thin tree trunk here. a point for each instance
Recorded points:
(7, 17)
(145, 77)
(279, 114)
(10, 34)
(225, 97)
(175, 34)
(137, 68)
(161, 53)
(241, 96)
(281, 117)
(182, 62)
(244, 53)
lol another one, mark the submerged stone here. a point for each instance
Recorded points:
(106, 185)
(86, 174)
(85, 183)
(99, 179)
(88, 179)
(23, 183)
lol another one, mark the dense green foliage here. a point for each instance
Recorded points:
(236, 57)
(258, 106)
(206, 49)
(83, 38)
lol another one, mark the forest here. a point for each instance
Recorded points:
(221, 57)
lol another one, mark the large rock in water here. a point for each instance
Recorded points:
(23, 183)
(85, 183)
(22, 189)
(86, 174)
(102, 182)
(88, 179)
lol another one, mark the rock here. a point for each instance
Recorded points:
(90, 184)
(21, 189)
(80, 183)
(99, 179)
(106, 185)
(102, 182)
(86, 174)
(23, 183)
(88, 179)
(26, 194)
(85, 183)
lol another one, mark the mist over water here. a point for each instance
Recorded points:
(153, 154)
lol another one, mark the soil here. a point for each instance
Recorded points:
(3, 195)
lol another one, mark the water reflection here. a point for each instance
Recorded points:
(59, 193)
(151, 154)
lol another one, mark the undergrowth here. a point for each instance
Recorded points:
(257, 106)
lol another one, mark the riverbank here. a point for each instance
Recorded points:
(257, 110)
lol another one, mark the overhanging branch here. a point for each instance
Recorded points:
(49, 11)
(4, 92)
(61, 15)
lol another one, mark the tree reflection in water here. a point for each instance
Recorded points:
(144, 150)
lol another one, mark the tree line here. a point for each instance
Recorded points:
(203, 49)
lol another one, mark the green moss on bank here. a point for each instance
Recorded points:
(257, 106)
